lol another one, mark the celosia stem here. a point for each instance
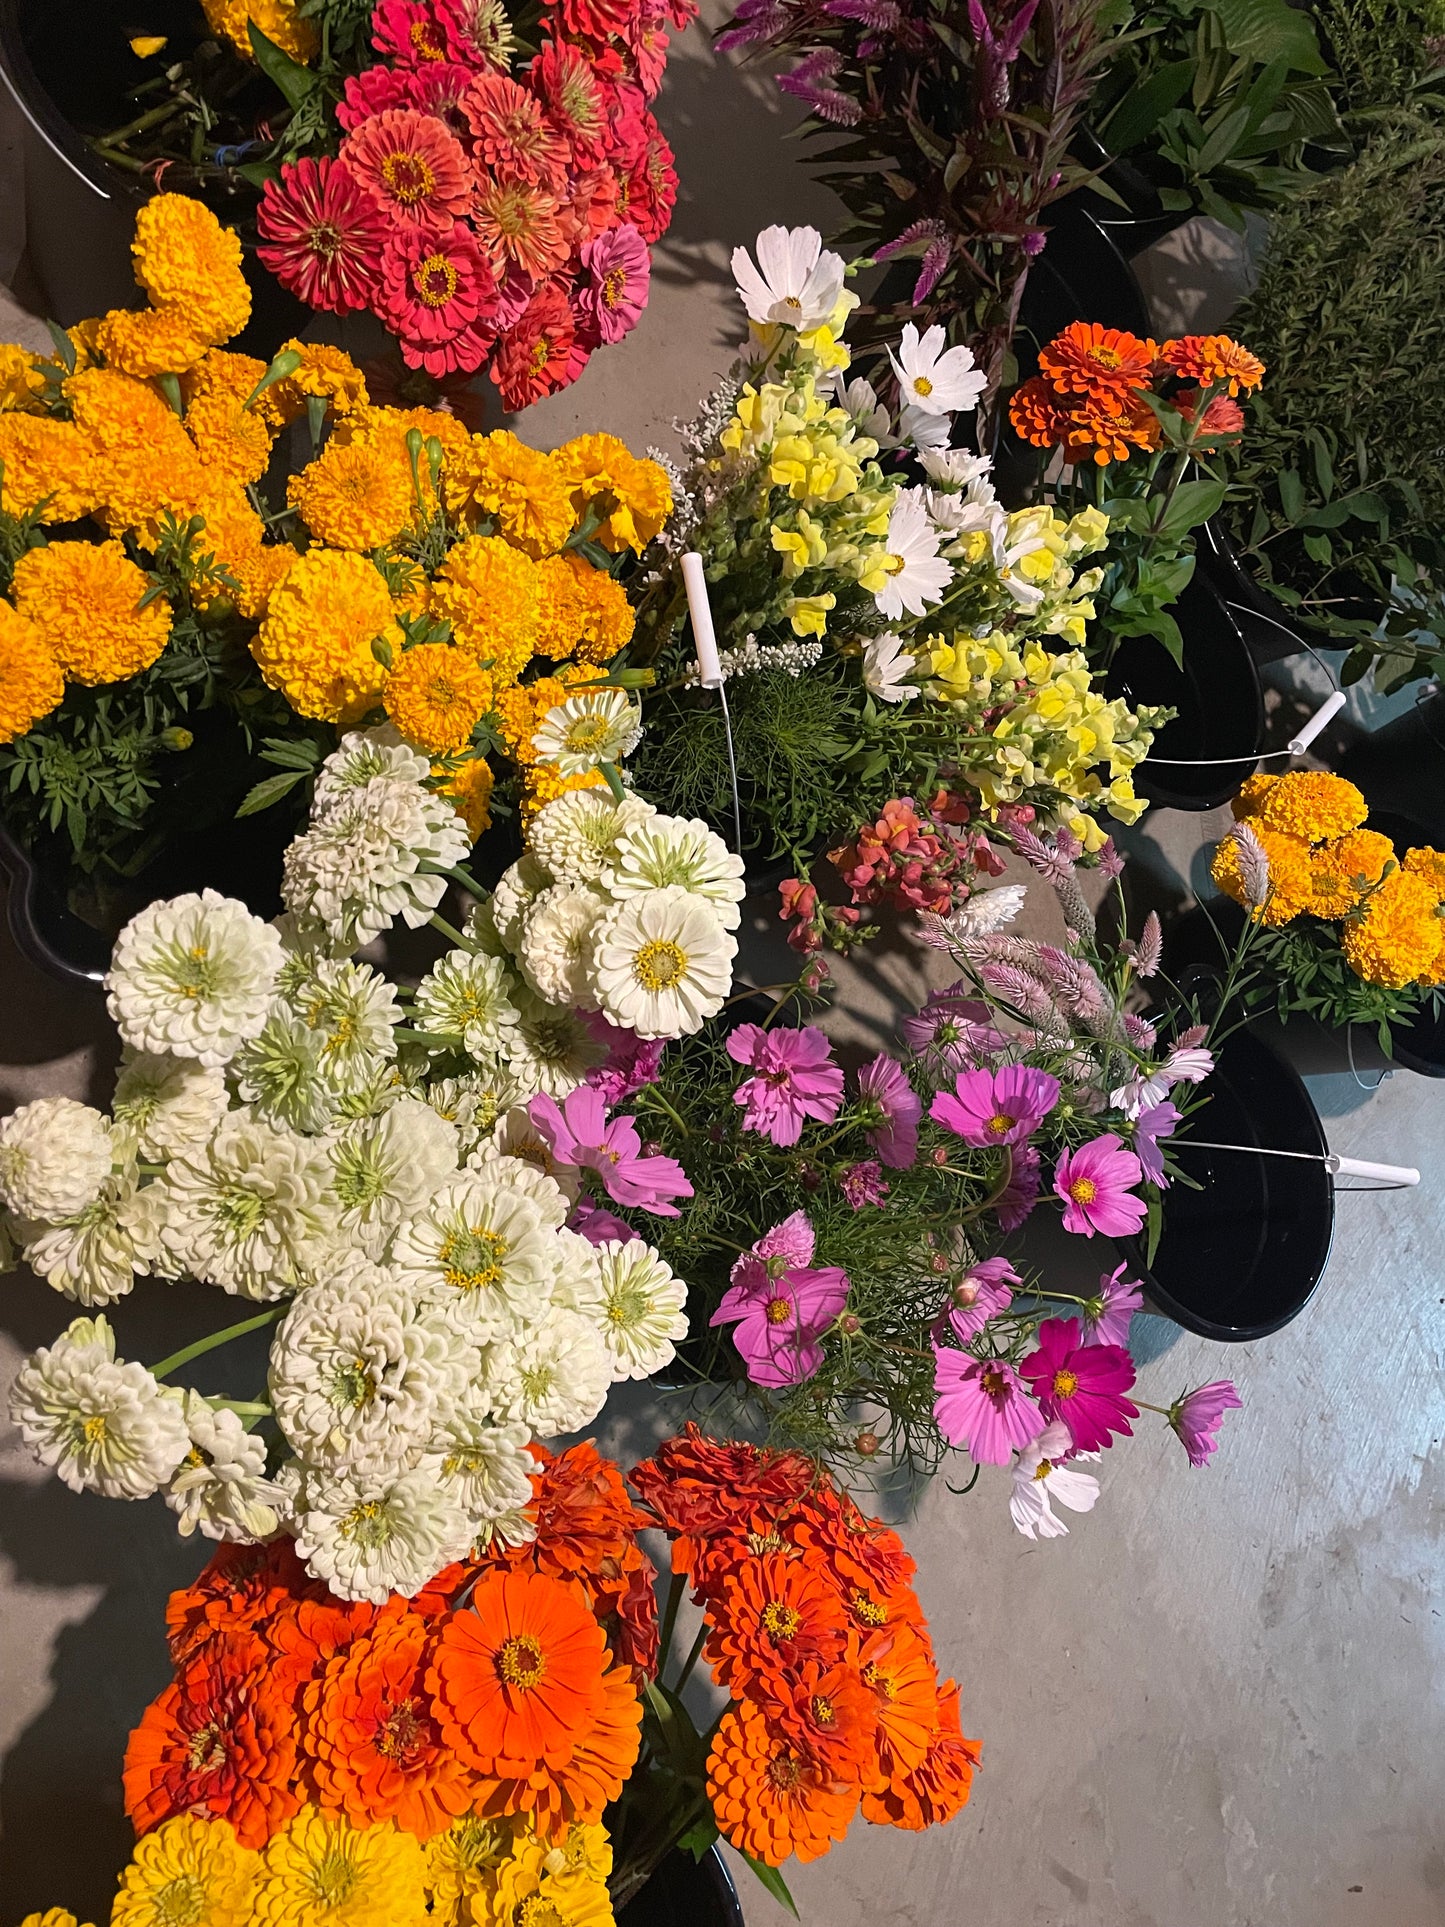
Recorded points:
(450, 931)
(675, 1588)
(204, 1345)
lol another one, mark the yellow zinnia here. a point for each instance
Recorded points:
(315, 644)
(460, 1865)
(86, 599)
(31, 682)
(436, 695)
(320, 1871)
(190, 1870)
(527, 1890)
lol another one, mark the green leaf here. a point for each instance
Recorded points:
(295, 81)
(1266, 30)
(1154, 1223)
(1291, 494)
(775, 1884)
(258, 173)
(1222, 141)
(699, 1836)
(1193, 503)
(1143, 107)
(268, 791)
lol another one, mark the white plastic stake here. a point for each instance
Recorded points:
(1321, 719)
(709, 668)
(1405, 1174)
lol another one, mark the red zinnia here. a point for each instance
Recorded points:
(412, 164)
(532, 358)
(439, 297)
(593, 19)
(324, 232)
(512, 134)
(572, 92)
(412, 33)
(649, 186)
(1221, 417)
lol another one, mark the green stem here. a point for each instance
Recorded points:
(998, 1190)
(242, 1407)
(450, 930)
(204, 1345)
(614, 782)
(651, 1094)
(140, 125)
(458, 875)
(675, 1588)
(693, 1657)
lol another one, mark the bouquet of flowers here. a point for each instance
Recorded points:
(359, 1160)
(1343, 930)
(1143, 433)
(882, 641)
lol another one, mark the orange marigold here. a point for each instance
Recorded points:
(488, 592)
(467, 785)
(436, 696)
(584, 612)
(932, 1792)
(772, 1615)
(356, 495)
(1429, 864)
(1106, 365)
(525, 493)
(1209, 359)
(123, 414)
(31, 682)
(325, 372)
(632, 497)
(1313, 804)
(232, 440)
(88, 599)
(188, 263)
(1395, 939)
(770, 1798)
(543, 783)
(315, 644)
(150, 341)
(45, 461)
(1291, 881)
(21, 382)
(1341, 872)
(1251, 794)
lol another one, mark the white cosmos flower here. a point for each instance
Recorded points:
(364, 1369)
(1040, 1475)
(663, 963)
(480, 1247)
(668, 850)
(371, 1537)
(55, 1155)
(555, 949)
(598, 726)
(486, 1467)
(468, 997)
(639, 1308)
(360, 865)
(919, 429)
(166, 1105)
(517, 890)
(103, 1425)
(221, 1486)
(383, 1169)
(362, 755)
(918, 575)
(887, 665)
(248, 1211)
(94, 1256)
(934, 377)
(527, 1160)
(796, 281)
(551, 1049)
(575, 836)
(959, 468)
(193, 977)
(553, 1378)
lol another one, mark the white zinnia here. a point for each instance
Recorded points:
(368, 1538)
(362, 755)
(551, 1049)
(165, 1105)
(517, 890)
(193, 976)
(597, 726)
(639, 1308)
(473, 1103)
(887, 665)
(663, 964)
(555, 950)
(249, 1210)
(360, 865)
(94, 1256)
(486, 1467)
(221, 1486)
(278, 1073)
(918, 574)
(467, 998)
(55, 1155)
(796, 281)
(575, 836)
(668, 850)
(353, 1012)
(933, 378)
(553, 1378)
(1040, 1475)
(104, 1426)
(385, 1168)
(480, 1247)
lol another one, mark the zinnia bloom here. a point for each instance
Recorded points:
(996, 1107)
(1198, 1416)
(516, 221)
(794, 1078)
(1211, 359)
(438, 295)
(534, 357)
(897, 1663)
(773, 1615)
(617, 271)
(188, 1865)
(770, 1797)
(892, 1108)
(1037, 413)
(413, 33)
(1080, 1383)
(579, 1134)
(1104, 364)
(413, 165)
(322, 234)
(931, 1793)
(513, 136)
(1094, 1183)
(981, 1405)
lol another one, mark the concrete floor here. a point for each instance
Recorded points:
(1216, 1704)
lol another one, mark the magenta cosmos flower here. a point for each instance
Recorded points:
(1094, 1183)
(1082, 1384)
(981, 1406)
(794, 1077)
(996, 1107)
(891, 1110)
(863, 1184)
(631, 1062)
(322, 235)
(1108, 1314)
(580, 1135)
(779, 1304)
(1198, 1416)
(982, 1293)
(1019, 1196)
(616, 274)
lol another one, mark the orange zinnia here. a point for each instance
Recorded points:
(898, 1665)
(699, 1488)
(775, 1613)
(1108, 434)
(857, 1550)
(577, 1791)
(833, 1718)
(934, 1791)
(375, 1748)
(770, 1798)
(240, 1586)
(1211, 359)
(518, 1676)
(1104, 364)
(1037, 413)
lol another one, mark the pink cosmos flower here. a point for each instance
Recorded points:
(596, 1224)
(1108, 1315)
(863, 1184)
(955, 1027)
(892, 1109)
(1043, 1472)
(980, 1405)
(616, 274)
(1198, 1416)
(579, 1134)
(438, 296)
(982, 1293)
(414, 166)
(1094, 1183)
(1084, 1385)
(1019, 1196)
(996, 1107)
(794, 1077)
(1150, 1128)
(779, 1305)
(322, 235)
(630, 1064)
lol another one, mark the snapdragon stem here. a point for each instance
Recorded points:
(204, 1345)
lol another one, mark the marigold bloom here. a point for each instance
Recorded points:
(1341, 872)
(769, 1797)
(188, 1869)
(280, 20)
(1209, 359)
(1314, 805)
(20, 380)
(322, 234)
(543, 783)
(186, 260)
(124, 416)
(1426, 863)
(231, 439)
(436, 696)
(468, 787)
(325, 372)
(771, 1616)
(1291, 887)
(413, 164)
(45, 461)
(521, 489)
(355, 495)
(151, 341)
(1249, 799)
(315, 644)
(584, 612)
(633, 496)
(85, 598)
(1396, 939)
(534, 356)
(931, 1793)
(487, 591)
(322, 1872)
(31, 680)
(1103, 364)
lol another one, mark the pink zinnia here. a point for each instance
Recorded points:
(513, 136)
(1108, 1315)
(1198, 1416)
(982, 1293)
(779, 1305)
(439, 297)
(413, 165)
(1094, 1183)
(435, 90)
(1084, 1385)
(996, 1107)
(1016, 1201)
(794, 1077)
(890, 1109)
(413, 33)
(579, 1134)
(863, 1184)
(980, 1405)
(616, 272)
(323, 235)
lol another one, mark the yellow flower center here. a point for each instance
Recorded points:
(868, 1610)
(541, 354)
(521, 1662)
(659, 964)
(999, 1123)
(180, 1903)
(1046, 1466)
(435, 280)
(334, 1878)
(785, 1770)
(534, 1911)
(587, 732)
(824, 1711)
(922, 386)
(471, 1259)
(207, 1749)
(1106, 357)
(613, 285)
(780, 1621)
(409, 177)
(1065, 1384)
(994, 1383)
(880, 1681)
(427, 41)
(94, 1428)
(778, 1311)
(1083, 1190)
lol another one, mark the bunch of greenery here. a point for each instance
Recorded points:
(1387, 55)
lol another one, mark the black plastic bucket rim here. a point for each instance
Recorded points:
(26, 920)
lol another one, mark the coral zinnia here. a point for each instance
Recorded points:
(322, 234)
(1104, 364)
(932, 1792)
(1105, 432)
(617, 269)
(1210, 359)
(414, 166)
(516, 221)
(86, 599)
(771, 1799)
(832, 1715)
(31, 681)
(518, 1678)
(533, 358)
(512, 134)
(438, 295)
(773, 1614)
(436, 696)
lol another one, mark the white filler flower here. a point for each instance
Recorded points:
(221, 1487)
(55, 1155)
(933, 378)
(796, 281)
(193, 976)
(599, 726)
(104, 1426)
(663, 963)
(668, 850)
(368, 1538)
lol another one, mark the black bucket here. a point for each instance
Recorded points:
(686, 1893)
(1271, 628)
(1142, 219)
(1401, 769)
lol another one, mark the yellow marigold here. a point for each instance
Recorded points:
(388, 428)
(320, 1871)
(327, 372)
(488, 591)
(259, 576)
(315, 644)
(221, 371)
(1429, 864)
(1341, 872)
(31, 682)
(633, 497)
(279, 20)
(1396, 939)
(1251, 795)
(233, 535)
(527, 1889)
(1291, 883)
(229, 438)
(584, 612)
(150, 341)
(527, 494)
(46, 461)
(186, 260)
(85, 598)
(188, 1869)
(121, 412)
(468, 788)
(354, 496)
(21, 382)
(436, 696)
(542, 784)
(1313, 804)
